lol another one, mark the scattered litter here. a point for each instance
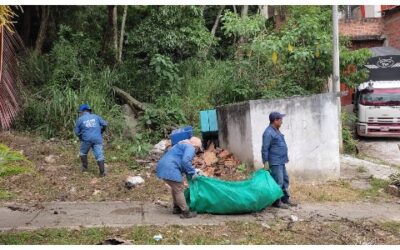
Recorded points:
(161, 203)
(393, 190)
(133, 181)
(157, 237)
(115, 241)
(21, 209)
(72, 190)
(96, 192)
(265, 225)
(50, 159)
(225, 235)
(161, 146)
(294, 218)
(64, 178)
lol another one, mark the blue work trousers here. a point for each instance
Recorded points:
(97, 149)
(281, 177)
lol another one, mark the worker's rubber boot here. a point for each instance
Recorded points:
(84, 161)
(188, 214)
(280, 204)
(101, 168)
(177, 210)
(290, 203)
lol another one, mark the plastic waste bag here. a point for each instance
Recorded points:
(211, 195)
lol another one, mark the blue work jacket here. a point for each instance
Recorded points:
(175, 162)
(274, 148)
(88, 128)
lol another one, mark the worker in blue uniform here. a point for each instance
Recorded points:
(174, 163)
(274, 153)
(89, 128)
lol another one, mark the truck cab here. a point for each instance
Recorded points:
(377, 101)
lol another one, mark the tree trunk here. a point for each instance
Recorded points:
(121, 40)
(242, 40)
(132, 102)
(264, 11)
(113, 23)
(245, 11)
(234, 9)
(27, 24)
(215, 26)
(45, 13)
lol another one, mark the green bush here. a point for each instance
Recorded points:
(75, 77)
(349, 143)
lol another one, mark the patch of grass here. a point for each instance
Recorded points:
(332, 191)
(12, 162)
(376, 190)
(238, 233)
(5, 195)
(361, 169)
(391, 226)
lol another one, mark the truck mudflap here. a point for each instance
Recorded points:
(378, 130)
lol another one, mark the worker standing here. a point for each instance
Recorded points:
(89, 128)
(178, 161)
(275, 155)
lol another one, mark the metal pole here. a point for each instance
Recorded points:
(335, 22)
(336, 72)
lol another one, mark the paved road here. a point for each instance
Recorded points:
(123, 214)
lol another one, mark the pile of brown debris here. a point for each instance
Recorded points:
(220, 163)
(214, 162)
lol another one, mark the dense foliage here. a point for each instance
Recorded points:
(174, 64)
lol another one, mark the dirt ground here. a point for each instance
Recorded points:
(62, 180)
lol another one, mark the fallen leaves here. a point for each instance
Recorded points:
(217, 162)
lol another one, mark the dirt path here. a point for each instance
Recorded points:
(385, 150)
(123, 214)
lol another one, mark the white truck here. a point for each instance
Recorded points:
(377, 101)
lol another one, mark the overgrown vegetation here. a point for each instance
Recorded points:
(177, 70)
(395, 179)
(12, 162)
(349, 143)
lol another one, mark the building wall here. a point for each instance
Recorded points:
(363, 27)
(310, 127)
(234, 130)
(392, 29)
(365, 44)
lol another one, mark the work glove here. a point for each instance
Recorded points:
(197, 173)
(266, 166)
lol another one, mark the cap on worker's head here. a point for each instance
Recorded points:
(195, 141)
(275, 115)
(84, 107)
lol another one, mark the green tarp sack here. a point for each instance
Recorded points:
(214, 196)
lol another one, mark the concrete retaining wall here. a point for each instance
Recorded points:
(310, 128)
